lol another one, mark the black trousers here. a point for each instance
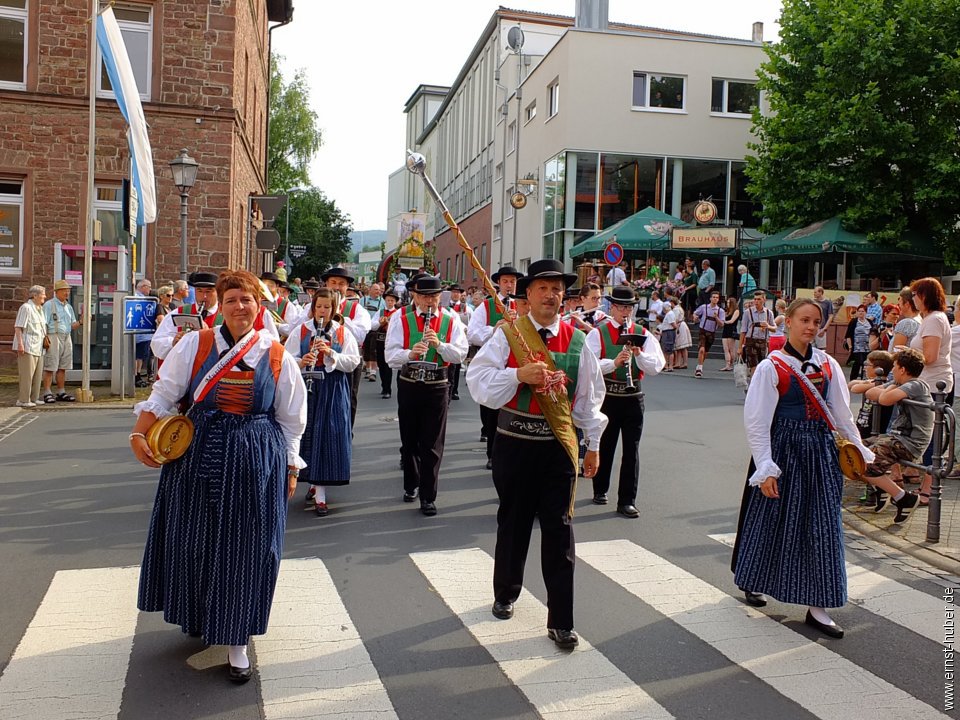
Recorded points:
(354, 391)
(386, 372)
(533, 479)
(624, 420)
(488, 421)
(455, 383)
(422, 411)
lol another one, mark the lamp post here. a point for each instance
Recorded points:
(184, 169)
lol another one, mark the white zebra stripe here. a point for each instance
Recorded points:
(581, 684)
(826, 684)
(72, 661)
(312, 662)
(893, 601)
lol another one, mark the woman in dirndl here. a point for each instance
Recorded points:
(216, 533)
(790, 536)
(327, 354)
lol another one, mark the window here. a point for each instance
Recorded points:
(658, 92)
(136, 27)
(13, 44)
(11, 227)
(531, 111)
(733, 97)
(507, 201)
(553, 99)
(499, 172)
(108, 204)
(511, 137)
(497, 231)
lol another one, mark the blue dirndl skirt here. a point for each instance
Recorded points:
(791, 548)
(326, 445)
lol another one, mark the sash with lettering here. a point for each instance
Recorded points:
(225, 364)
(556, 407)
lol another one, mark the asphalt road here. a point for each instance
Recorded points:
(73, 498)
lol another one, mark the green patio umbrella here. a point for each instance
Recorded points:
(648, 229)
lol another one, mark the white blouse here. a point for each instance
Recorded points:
(289, 403)
(346, 360)
(761, 403)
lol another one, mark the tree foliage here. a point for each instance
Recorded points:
(864, 114)
(317, 223)
(294, 136)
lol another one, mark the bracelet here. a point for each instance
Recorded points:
(295, 472)
(136, 434)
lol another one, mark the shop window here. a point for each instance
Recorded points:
(630, 184)
(733, 97)
(13, 44)
(11, 227)
(136, 27)
(704, 180)
(659, 92)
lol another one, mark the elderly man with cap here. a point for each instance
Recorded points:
(535, 456)
(356, 320)
(458, 306)
(483, 323)
(380, 322)
(421, 343)
(58, 358)
(623, 365)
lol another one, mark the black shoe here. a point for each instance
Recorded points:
(428, 509)
(628, 511)
(455, 396)
(600, 499)
(755, 599)
(489, 464)
(905, 506)
(502, 610)
(880, 501)
(410, 495)
(834, 631)
(385, 396)
(308, 500)
(240, 675)
(483, 438)
(565, 639)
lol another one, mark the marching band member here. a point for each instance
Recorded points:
(380, 321)
(623, 401)
(423, 394)
(459, 306)
(483, 323)
(571, 304)
(289, 315)
(357, 321)
(590, 315)
(326, 444)
(534, 457)
(168, 334)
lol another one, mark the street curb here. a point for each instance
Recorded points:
(927, 555)
(7, 413)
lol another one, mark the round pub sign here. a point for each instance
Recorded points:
(705, 212)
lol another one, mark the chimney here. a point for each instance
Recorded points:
(758, 32)
(592, 14)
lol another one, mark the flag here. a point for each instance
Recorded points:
(124, 84)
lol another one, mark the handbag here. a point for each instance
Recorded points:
(741, 374)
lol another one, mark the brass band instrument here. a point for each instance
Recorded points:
(268, 300)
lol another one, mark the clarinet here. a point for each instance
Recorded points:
(426, 323)
(323, 335)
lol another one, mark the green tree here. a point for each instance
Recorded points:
(294, 136)
(317, 223)
(864, 111)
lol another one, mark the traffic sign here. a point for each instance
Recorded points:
(139, 315)
(298, 250)
(613, 253)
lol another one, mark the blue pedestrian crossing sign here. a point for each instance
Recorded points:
(139, 315)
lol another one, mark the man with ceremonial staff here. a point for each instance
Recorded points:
(543, 395)
(623, 368)
(422, 343)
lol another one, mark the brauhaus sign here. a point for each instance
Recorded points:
(703, 238)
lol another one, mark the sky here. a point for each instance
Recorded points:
(364, 58)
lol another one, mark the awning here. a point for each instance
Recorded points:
(648, 229)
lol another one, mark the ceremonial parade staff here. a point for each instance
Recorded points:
(421, 343)
(458, 305)
(205, 304)
(356, 320)
(380, 322)
(544, 383)
(626, 351)
(486, 318)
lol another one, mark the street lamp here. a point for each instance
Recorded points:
(184, 169)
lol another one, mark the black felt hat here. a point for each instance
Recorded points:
(336, 272)
(311, 285)
(622, 295)
(270, 276)
(428, 285)
(506, 270)
(392, 293)
(549, 270)
(202, 280)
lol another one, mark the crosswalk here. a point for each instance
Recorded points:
(74, 658)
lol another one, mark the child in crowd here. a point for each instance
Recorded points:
(878, 359)
(909, 433)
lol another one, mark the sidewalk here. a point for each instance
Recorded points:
(101, 395)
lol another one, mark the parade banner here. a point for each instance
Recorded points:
(410, 250)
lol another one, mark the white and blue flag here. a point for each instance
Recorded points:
(124, 84)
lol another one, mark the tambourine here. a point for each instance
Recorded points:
(852, 464)
(169, 438)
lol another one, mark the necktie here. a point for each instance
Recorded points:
(544, 334)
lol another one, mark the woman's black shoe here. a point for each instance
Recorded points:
(834, 631)
(240, 675)
(755, 599)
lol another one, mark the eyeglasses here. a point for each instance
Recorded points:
(168, 294)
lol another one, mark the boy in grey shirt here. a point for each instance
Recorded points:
(909, 432)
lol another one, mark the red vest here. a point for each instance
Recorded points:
(565, 349)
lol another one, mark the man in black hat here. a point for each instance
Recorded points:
(287, 315)
(380, 322)
(623, 402)
(204, 286)
(422, 343)
(357, 321)
(533, 465)
(484, 321)
(458, 305)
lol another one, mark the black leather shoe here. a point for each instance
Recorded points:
(240, 675)
(755, 599)
(502, 610)
(455, 396)
(600, 499)
(384, 396)
(428, 509)
(565, 639)
(483, 438)
(628, 511)
(489, 464)
(410, 496)
(834, 631)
